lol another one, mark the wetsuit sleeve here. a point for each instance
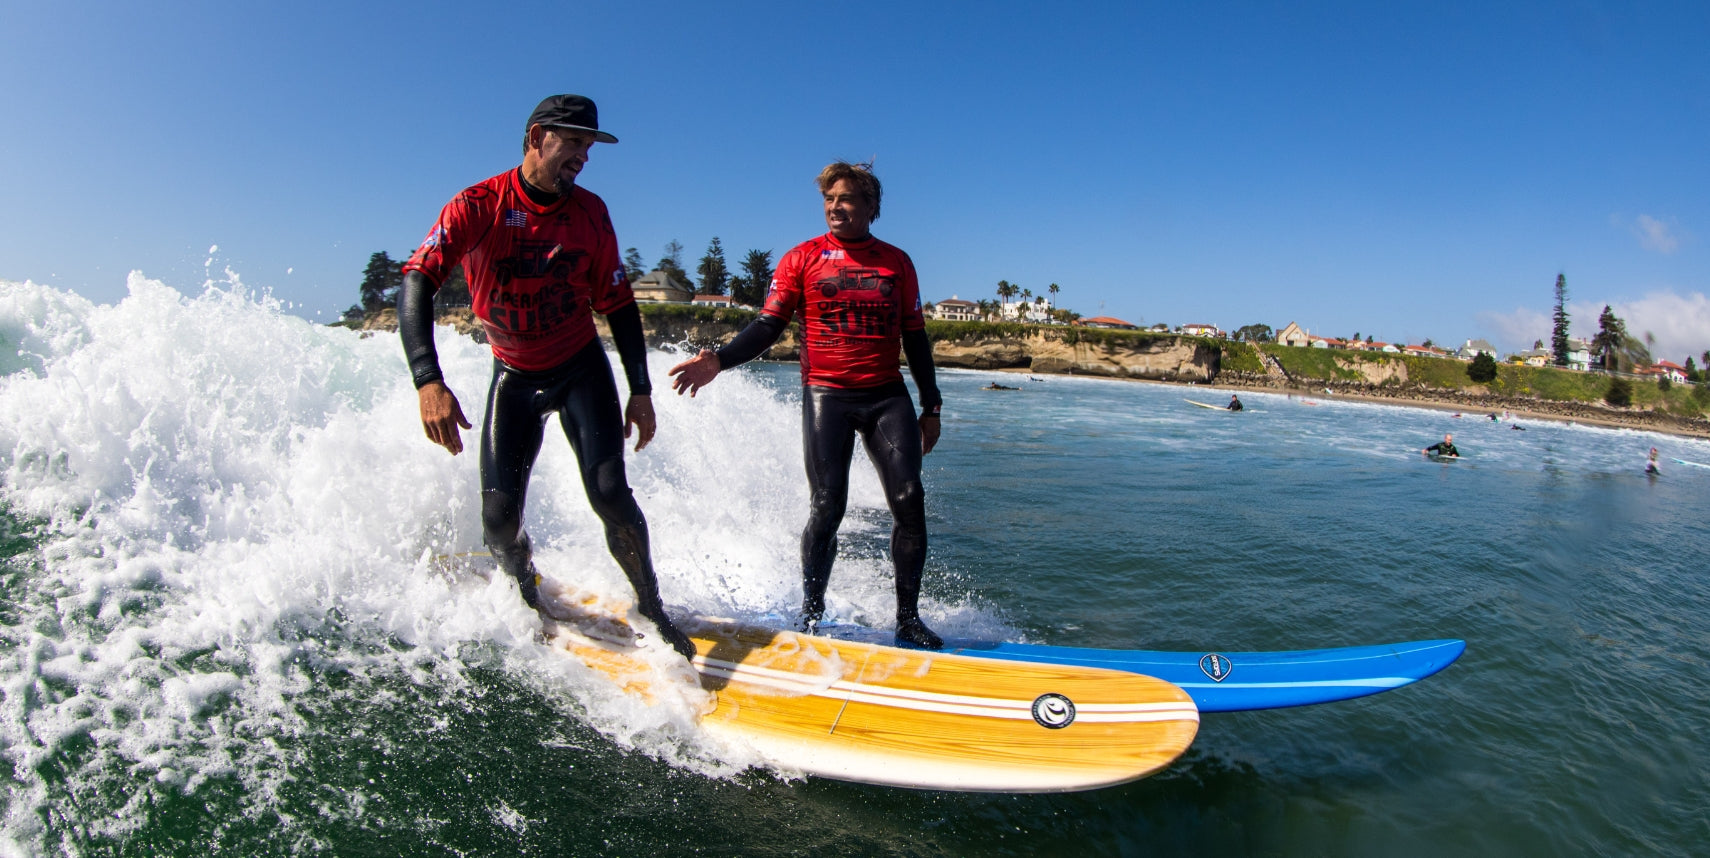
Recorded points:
(918, 348)
(415, 326)
(751, 341)
(631, 346)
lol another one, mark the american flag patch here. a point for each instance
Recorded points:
(516, 217)
(831, 254)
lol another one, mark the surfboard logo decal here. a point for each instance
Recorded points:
(1216, 666)
(1053, 711)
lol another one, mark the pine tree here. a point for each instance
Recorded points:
(714, 275)
(454, 292)
(751, 286)
(672, 262)
(633, 267)
(1559, 335)
(1620, 351)
(380, 282)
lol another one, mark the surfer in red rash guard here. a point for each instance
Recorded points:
(540, 256)
(857, 297)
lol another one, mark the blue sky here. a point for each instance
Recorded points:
(1406, 171)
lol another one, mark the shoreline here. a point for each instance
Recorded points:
(1565, 412)
(1466, 402)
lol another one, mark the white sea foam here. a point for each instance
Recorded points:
(224, 493)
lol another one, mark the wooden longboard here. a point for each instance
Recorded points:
(875, 714)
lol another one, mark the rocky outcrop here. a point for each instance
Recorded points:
(1048, 350)
(1376, 372)
(1072, 351)
(461, 320)
(1066, 352)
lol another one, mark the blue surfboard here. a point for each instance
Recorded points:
(1240, 681)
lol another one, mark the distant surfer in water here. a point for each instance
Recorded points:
(1234, 403)
(995, 386)
(857, 297)
(1446, 447)
(541, 257)
(1651, 463)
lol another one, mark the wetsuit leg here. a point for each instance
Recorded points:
(510, 441)
(891, 435)
(828, 443)
(593, 422)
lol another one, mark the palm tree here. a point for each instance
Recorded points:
(1006, 290)
(1053, 289)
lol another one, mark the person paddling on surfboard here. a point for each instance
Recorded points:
(1234, 403)
(857, 297)
(1446, 447)
(541, 257)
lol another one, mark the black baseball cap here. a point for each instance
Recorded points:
(569, 111)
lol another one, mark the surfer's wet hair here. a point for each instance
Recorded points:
(860, 175)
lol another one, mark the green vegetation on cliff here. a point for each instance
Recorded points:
(693, 313)
(1240, 357)
(1309, 365)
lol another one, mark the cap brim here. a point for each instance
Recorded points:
(599, 135)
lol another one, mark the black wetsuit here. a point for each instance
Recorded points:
(585, 398)
(882, 415)
(1443, 448)
(1234, 405)
(884, 419)
(583, 393)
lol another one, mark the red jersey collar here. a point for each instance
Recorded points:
(522, 193)
(857, 244)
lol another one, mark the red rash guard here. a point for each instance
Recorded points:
(534, 273)
(855, 298)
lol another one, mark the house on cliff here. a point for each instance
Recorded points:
(1293, 335)
(1107, 322)
(1665, 369)
(662, 287)
(1424, 351)
(1201, 331)
(954, 309)
(1474, 348)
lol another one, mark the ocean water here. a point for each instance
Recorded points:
(225, 629)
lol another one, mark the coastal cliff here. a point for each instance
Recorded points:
(1402, 380)
(1065, 351)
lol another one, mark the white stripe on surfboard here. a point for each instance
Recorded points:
(778, 678)
(1377, 682)
(932, 701)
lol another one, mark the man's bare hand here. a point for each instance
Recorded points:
(638, 414)
(695, 373)
(930, 429)
(441, 415)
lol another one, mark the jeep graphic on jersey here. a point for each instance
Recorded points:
(855, 300)
(534, 273)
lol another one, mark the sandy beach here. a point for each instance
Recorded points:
(1470, 407)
